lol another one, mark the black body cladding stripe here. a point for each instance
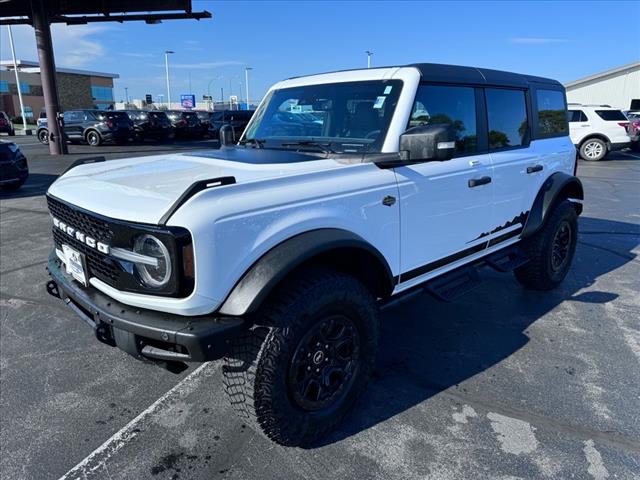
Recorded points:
(416, 272)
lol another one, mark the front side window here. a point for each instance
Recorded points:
(507, 117)
(552, 113)
(576, 116)
(349, 117)
(455, 106)
(72, 116)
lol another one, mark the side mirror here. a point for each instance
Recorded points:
(226, 135)
(427, 143)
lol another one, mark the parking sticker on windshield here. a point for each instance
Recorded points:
(387, 89)
(379, 102)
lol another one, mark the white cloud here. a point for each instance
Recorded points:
(536, 40)
(74, 46)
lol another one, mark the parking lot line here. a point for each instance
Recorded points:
(100, 455)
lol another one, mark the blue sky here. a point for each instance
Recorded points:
(562, 40)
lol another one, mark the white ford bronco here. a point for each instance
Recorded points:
(347, 191)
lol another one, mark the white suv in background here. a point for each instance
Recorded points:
(596, 130)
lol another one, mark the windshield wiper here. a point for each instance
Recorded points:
(325, 147)
(258, 143)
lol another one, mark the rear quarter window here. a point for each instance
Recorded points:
(611, 115)
(552, 114)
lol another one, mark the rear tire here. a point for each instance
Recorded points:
(296, 375)
(593, 150)
(550, 250)
(93, 138)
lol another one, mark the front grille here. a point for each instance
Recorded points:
(99, 264)
(90, 225)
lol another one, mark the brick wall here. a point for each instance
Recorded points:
(74, 91)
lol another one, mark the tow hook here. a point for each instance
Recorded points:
(52, 289)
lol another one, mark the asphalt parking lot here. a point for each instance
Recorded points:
(503, 384)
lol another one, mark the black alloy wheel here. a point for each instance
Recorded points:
(325, 363)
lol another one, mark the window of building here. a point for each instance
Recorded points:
(28, 111)
(4, 86)
(507, 116)
(455, 106)
(552, 116)
(576, 116)
(25, 87)
(102, 93)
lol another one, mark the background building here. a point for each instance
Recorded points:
(76, 88)
(616, 87)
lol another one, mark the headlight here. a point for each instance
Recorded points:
(13, 147)
(153, 276)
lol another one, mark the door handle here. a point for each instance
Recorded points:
(476, 182)
(535, 168)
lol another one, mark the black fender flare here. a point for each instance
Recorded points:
(558, 186)
(270, 269)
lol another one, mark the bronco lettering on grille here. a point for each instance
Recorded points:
(81, 237)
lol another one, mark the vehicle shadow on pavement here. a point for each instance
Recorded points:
(36, 185)
(428, 346)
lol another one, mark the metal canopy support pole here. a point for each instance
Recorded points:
(57, 145)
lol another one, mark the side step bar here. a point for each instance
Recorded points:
(456, 283)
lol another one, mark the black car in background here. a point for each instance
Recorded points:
(150, 124)
(185, 123)
(13, 166)
(5, 124)
(93, 127)
(237, 119)
(205, 120)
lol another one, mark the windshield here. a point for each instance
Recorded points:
(347, 116)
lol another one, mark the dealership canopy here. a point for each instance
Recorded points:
(42, 13)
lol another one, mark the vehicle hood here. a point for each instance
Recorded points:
(143, 189)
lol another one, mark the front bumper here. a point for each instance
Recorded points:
(144, 334)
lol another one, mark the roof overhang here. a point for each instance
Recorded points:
(630, 67)
(33, 67)
(75, 12)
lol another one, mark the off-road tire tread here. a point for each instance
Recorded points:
(534, 274)
(253, 355)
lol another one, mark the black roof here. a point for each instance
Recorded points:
(436, 72)
(440, 72)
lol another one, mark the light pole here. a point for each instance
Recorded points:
(246, 83)
(166, 67)
(15, 70)
(368, 58)
(126, 96)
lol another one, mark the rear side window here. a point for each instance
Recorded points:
(611, 115)
(576, 116)
(507, 117)
(455, 106)
(552, 113)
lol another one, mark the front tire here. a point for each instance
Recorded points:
(43, 136)
(294, 376)
(593, 150)
(550, 250)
